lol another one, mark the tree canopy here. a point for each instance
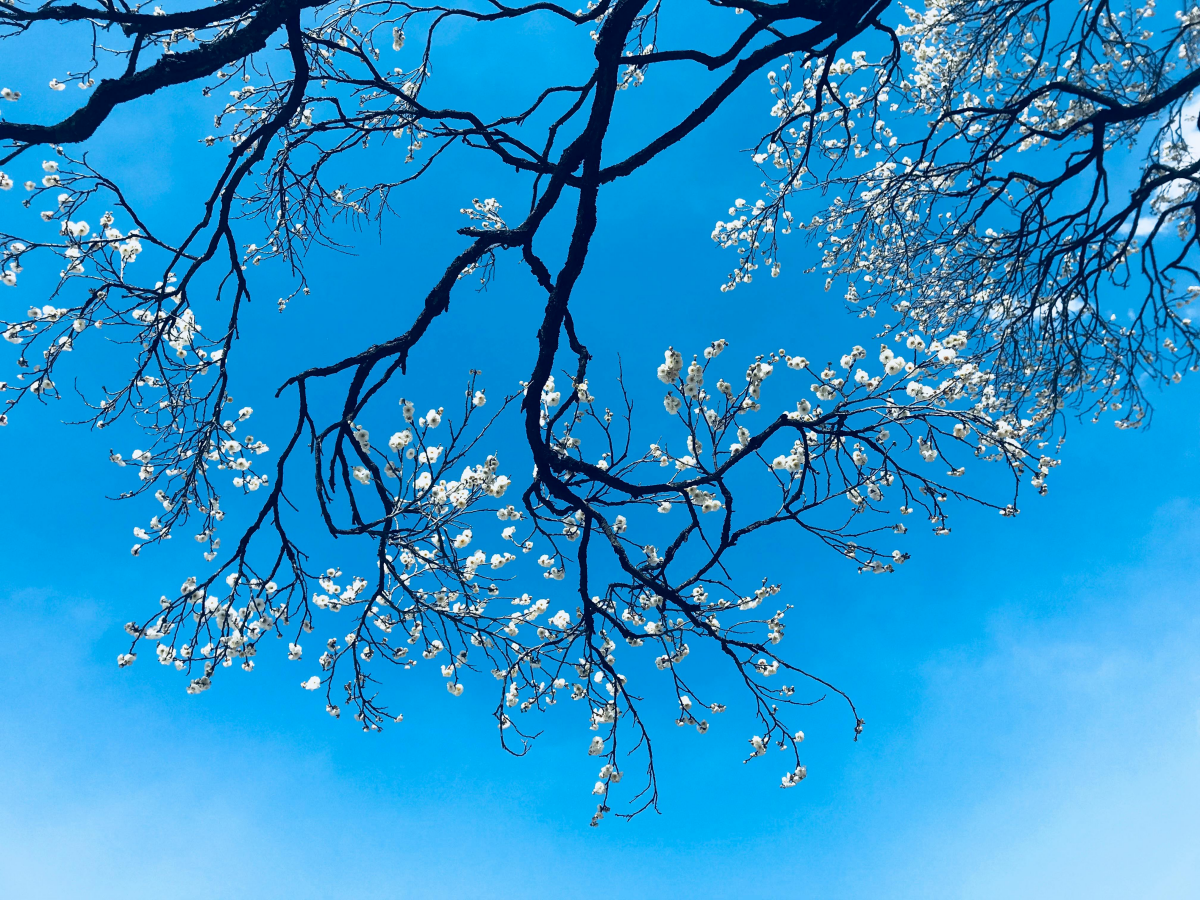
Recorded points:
(982, 184)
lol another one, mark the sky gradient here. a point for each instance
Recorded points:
(1031, 686)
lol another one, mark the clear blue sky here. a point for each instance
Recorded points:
(1031, 687)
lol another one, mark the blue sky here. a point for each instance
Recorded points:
(1031, 687)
